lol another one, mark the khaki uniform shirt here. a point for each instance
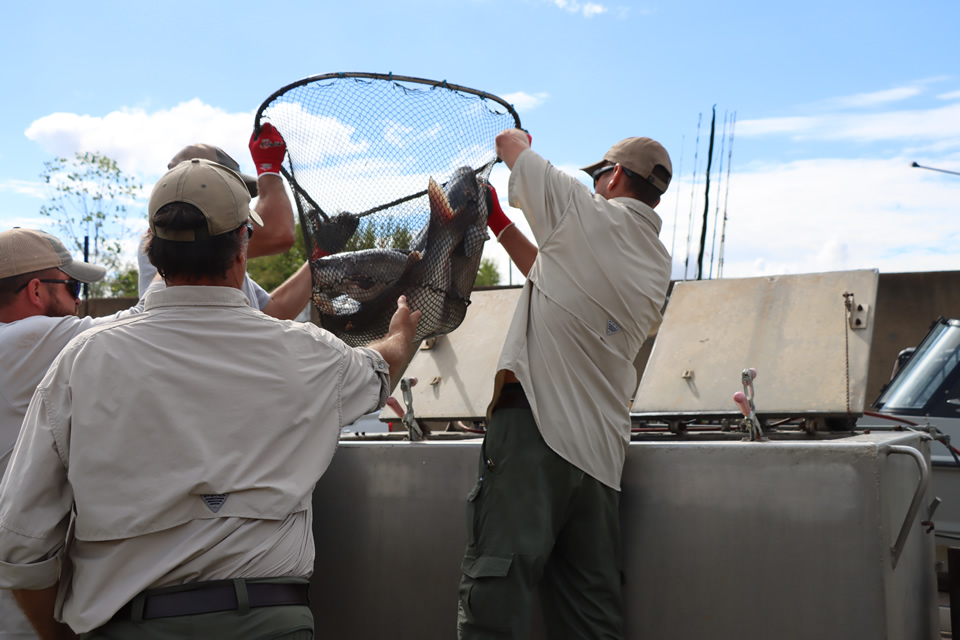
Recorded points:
(186, 442)
(592, 295)
(27, 347)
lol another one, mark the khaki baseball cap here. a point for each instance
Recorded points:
(26, 250)
(218, 155)
(218, 192)
(639, 155)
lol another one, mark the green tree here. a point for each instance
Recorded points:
(88, 200)
(487, 275)
(125, 284)
(270, 271)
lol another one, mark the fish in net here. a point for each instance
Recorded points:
(389, 175)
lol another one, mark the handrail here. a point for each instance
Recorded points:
(897, 547)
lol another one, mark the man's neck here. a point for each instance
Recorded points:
(201, 282)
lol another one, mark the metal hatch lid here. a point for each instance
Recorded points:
(455, 373)
(811, 353)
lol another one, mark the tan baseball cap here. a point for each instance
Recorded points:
(219, 156)
(639, 155)
(218, 192)
(26, 250)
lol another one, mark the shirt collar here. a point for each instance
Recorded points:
(195, 297)
(643, 210)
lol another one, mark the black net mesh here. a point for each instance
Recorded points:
(389, 176)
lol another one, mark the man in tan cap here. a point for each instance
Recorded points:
(39, 296)
(163, 478)
(267, 149)
(545, 507)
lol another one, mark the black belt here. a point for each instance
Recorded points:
(210, 599)
(512, 397)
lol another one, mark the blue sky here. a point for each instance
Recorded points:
(834, 100)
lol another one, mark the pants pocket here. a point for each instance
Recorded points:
(486, 598)
(472, 512)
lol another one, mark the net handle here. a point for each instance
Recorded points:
(390, 77)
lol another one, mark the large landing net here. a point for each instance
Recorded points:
(389, 177)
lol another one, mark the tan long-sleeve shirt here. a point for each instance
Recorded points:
(594, 292)
(187, 441)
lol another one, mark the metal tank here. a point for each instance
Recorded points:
(807, 533)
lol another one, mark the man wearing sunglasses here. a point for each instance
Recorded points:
(39, 297)
(545, 507)
(166, 465)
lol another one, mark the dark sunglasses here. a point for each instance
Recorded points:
(599, 172)
(610, 167)
(73, 286)
(249, 227)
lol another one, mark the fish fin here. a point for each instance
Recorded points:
(440, 209)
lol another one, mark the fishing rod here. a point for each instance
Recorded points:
(693, 196)
(716, 214)
(723, 230)
(676, 209)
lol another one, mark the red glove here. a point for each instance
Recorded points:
(497, 220)
(267, 150)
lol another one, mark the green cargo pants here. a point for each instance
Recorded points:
(533, 519)
(261, 623)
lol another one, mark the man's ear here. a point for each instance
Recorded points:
(36, 296)
(617, 176)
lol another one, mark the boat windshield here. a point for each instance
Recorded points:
(929, 376)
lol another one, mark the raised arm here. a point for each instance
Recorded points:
(277, 234)
(289, 299)
(520, 249)
(397, 347)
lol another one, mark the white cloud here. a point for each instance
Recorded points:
(142, 142)
(522, 101)
(940, 125)
(591, 9)
(872, 99)
(952, 95)
(24, 188)
(827, 214)
(587, 9)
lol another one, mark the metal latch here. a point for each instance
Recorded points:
(744, 400)
(409, 419)
(856, 313)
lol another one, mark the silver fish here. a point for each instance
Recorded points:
(361, 276)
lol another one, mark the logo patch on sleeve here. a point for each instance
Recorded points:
(612, 328)
(215, 501)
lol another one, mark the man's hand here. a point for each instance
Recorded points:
(404, 322)
(511, 143)
(267, 150)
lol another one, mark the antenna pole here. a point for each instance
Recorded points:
(723, 230)
(716, 214)
(693, 196)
